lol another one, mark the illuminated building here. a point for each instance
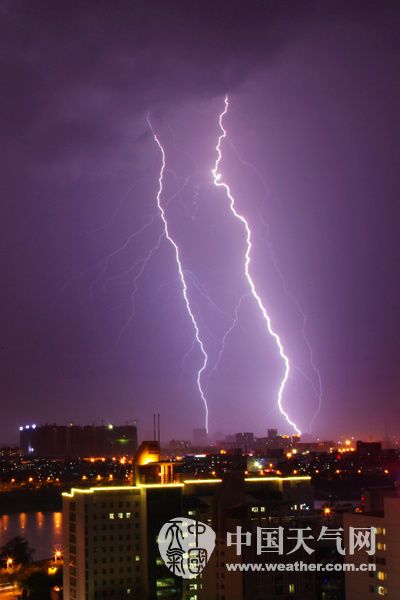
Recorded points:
(110, 548)
(252, 503)
(110, 533)
(61, 441)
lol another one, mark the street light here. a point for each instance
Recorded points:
(57, 555)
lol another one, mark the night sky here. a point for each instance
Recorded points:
(312, 157)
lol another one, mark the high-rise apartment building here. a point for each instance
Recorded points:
(110, 543)
(110, 534)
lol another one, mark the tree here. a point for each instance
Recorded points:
(18, 549)
(37, 586)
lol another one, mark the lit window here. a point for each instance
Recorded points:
(381, 591)
(137, 557)
(111, 515)
(381, 546)
(262, 509)
(128, 515)
(254, 509)
(381, 576)
(291, 588)
(167, 582)
(120, 515)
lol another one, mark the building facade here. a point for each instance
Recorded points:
(110, 537)
(62, 441)
(384, 582)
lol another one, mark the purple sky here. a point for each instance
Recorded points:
(315, 95)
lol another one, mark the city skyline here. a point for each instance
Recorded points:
(94, 324)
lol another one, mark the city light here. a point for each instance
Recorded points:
(97, 490)
(57, 555)
(281, 479)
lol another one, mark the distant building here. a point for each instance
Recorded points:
(61, 441)
(179, 446)
(280, 441)
(200, 438)
(369, 448)
(244, 440)
(325, 446)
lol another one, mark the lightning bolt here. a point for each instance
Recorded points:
(143, 262)
(317, 388)
(226, 334)
(138, 267)
(146, 258)
(182, 278)
(220, 183)
(204, 293)
(103, 263)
